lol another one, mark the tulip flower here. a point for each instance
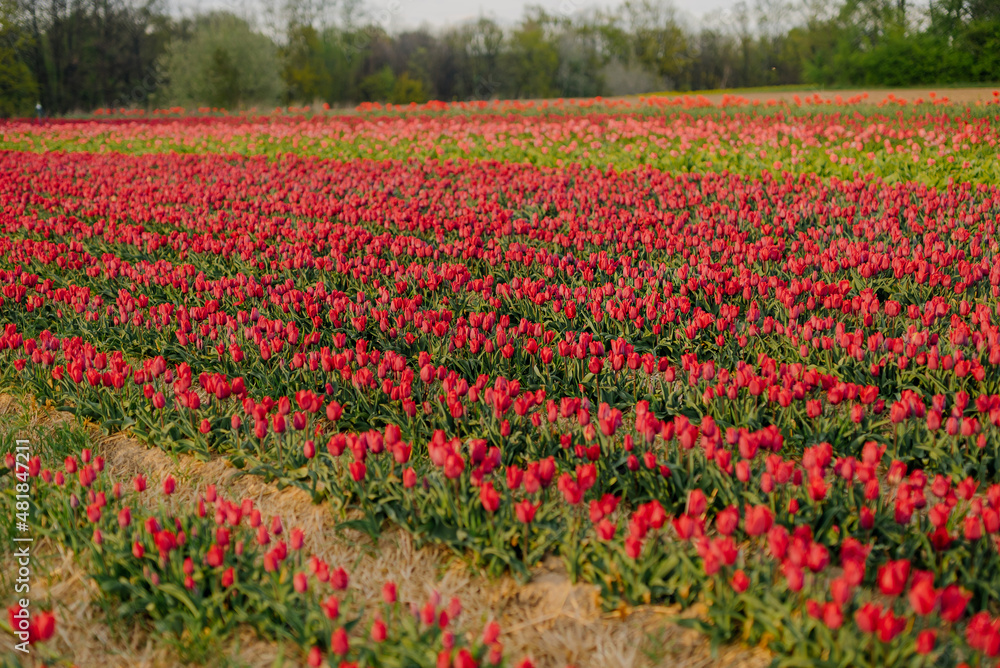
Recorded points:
(525, 511)
(867, 617)
(339, 644)
(757, 520)
(922, 595)
(45, 625)
(892, 577)
(953, 601)
(740, 582)
(926, 641)
(489, 497)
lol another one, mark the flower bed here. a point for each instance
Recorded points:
(774, 394)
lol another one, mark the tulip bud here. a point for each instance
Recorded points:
(339, 644)
(379, 631)
(389, 592)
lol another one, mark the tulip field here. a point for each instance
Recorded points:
(740, 360)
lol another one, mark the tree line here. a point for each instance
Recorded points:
(80, 55)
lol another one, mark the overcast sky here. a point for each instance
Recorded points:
(397, 15)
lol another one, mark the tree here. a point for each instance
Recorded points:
(18, 89)
(714, 60)
(96, 53)
(304, 73)
(378, 87)
(484, 42)
(407, 89)
(532, 60)
(580, 61)
(660, 42)
(223, 63)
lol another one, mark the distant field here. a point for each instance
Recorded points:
(961, 95)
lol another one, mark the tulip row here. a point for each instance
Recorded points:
(928, 146)
(198, 573)
(686, 101)
(806, 495)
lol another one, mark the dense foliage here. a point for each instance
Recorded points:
(92, 54)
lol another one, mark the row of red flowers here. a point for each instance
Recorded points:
(776, 396)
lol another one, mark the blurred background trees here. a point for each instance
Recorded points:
(79, 55)
(219, 60)
(18, 88)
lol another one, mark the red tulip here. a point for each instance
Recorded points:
(685, 526)
(525, 511)
(890, 626)
(953, 601)
(922, 595)
(278, 423)
(491, 633)
(757, 520)
(339, 579)
(740, 582)
(489, 497)
(867, 617)
(45, 625)
(833, 616)
(892, 577)
(339, 644)
(379, 631)
(697, 503)
(926, 641)
(606, 530)
(331, 607)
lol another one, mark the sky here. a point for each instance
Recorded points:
(396, 15)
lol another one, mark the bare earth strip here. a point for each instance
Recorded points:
(550, 619)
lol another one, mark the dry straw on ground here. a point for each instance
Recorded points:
(550, 619)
